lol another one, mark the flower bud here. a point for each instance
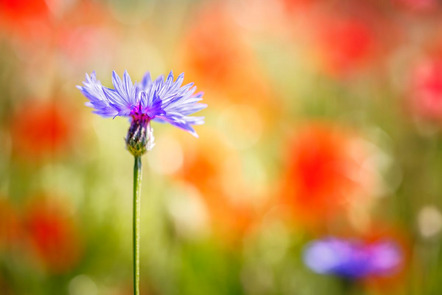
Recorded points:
(139, 137)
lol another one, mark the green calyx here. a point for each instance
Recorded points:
(139, 137)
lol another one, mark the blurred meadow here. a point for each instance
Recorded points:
(318, 170)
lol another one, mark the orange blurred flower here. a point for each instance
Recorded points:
(53, 236)
(40, 129)
(216, 53)
(327, 174)
(217, 59)
(296, 6)
(215, 170)
(10, 227)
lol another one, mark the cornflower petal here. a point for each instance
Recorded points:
(125, 89)
(93, 90)
(146, 82)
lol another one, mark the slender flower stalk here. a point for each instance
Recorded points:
(136, 223)
(162, 100)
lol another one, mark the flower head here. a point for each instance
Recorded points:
(162, 100)
(52, 235)
(352, 258)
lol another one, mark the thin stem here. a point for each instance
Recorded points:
(136, 223)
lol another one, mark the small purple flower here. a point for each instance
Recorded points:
(161, 100)
(353, 259)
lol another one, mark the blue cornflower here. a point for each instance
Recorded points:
(353, 259)
(162, 100)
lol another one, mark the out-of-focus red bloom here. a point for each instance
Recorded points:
(27, 19)
(349, 37)
(342, 38)
(74, 29)
(325, 174)
(426, 88)
(23, 9)
(9, 224)
(345, 43)
(40, 129)
(53, 236)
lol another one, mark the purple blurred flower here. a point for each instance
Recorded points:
(353, 259)
(162, 100)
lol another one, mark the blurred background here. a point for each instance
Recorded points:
(324, 123)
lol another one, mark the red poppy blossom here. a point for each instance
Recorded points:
(53, 236)
(20, 10)
(345, 44)
(426, 88)
(325, 174)
(350, 37)
(27, 19)
(41, 129)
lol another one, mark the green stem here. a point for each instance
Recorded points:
(136, 223)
